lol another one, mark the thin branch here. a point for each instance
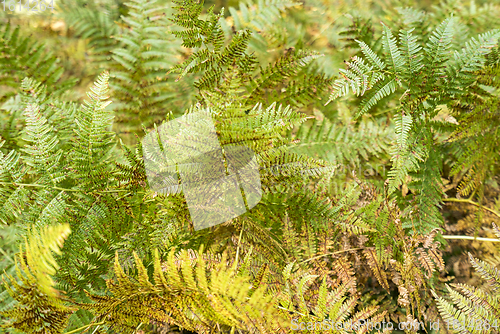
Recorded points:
(56, 188)
(6, 255)
(35, 185)
(466, 237)
(239, 241)
(291, 311)
(85, 327)
(468, 201)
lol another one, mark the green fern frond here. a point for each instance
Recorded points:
(20, 57)
(360, 30)
(392, 53)
(410, 49)
(39, 309)
(489, 273)
(12, 198)
(381, 90)
(95, 24)
(94, 139)
(145, 51)
(341, 144)
(371, 56)
(437, 49)
(41, 154)
(260, 15)
(471, 59)
(404, 160)
(362, 79)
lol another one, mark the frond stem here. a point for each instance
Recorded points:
(35, 185)
(56, 188)
(239, 241)
(6, 255)
(466, 237)
(85, 327)
(468, 201)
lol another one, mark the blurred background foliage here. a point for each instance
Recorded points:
(82, 34)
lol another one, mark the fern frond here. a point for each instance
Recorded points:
(381, 90)
(376, 267)
(195, 301)
(362, 79)
(12, 198)
(371, 56)
(94, 139)
(260, 15)
(38, 308)
(471, 59)
(284, 68)
(41, 151)
(489, 273)
(391, 51)
(341, 144)
(95, 24)
(144, 53)
(403, 159)
(471, 306)
(21, 57)
(410, 49)
(437, 49)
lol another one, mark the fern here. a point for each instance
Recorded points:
(472, 309)
(330, 307)
(347, 146)
(94, 23)
(94, 139)
(260, 17)
(143, 54)
(218, 64)
(24, 57)
(222, 296)
(402, 66)
(403, 159)
(38, 310)
(322, 245)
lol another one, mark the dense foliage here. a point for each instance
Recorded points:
(375, 127)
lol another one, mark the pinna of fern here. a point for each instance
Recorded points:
(346, 145)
